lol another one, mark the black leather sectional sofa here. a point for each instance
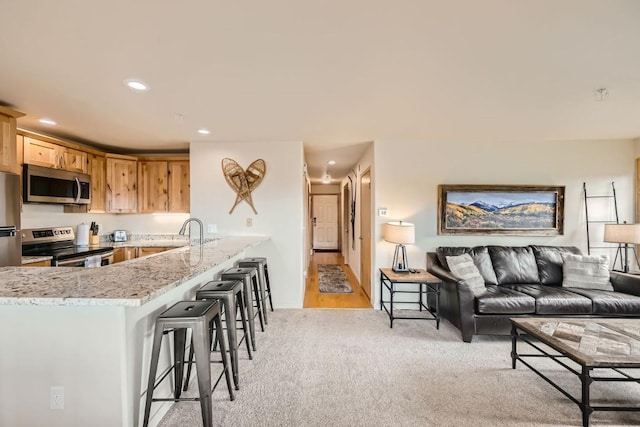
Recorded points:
(522, 282)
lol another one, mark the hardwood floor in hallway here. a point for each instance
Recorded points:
(314, 299)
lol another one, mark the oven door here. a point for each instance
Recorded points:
(105, 259)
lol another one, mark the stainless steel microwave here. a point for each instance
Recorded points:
(46, 185)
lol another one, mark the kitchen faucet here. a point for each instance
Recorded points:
(184, 228)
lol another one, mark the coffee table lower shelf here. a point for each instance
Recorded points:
(534, 333)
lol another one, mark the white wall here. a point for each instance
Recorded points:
(366, 162)
(407, 175)
(279, 201)
(39, 215)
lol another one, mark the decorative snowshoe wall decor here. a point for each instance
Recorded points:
(243, 182)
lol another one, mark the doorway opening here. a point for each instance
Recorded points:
(325, 222)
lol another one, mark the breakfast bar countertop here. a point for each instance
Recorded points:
(130, 283)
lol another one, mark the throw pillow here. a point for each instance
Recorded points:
(464, 268)
(586, 271)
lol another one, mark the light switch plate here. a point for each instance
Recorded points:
(383, 212)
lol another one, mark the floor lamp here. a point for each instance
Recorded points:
(401, 233)
(623, 234)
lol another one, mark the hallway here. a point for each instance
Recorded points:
(314, 299)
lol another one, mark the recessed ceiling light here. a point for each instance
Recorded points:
(332, 162)
(46, 121)
(136, 85)
(204, 131)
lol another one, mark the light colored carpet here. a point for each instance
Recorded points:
(348, 368)
(333, 280)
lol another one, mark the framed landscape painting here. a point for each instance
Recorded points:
(500, 209)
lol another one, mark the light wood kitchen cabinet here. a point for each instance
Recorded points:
(50, 155)
(132, 252)
(149, 250)
(179, 186)
(125, 253)
(163, 185)
(121, 184)
(9, 161)
(40, 153)
(72, 160)
(97, 170)
(38, 264)
(152, 186)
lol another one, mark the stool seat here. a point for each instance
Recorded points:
(187, 310)
(218, 285)
(238, 270)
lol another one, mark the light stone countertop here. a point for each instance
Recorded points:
(129, 283)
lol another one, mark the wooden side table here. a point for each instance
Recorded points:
(427, 284)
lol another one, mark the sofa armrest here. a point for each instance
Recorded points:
(458, 299)
(626, 283)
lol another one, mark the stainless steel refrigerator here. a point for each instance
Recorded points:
(10, 235)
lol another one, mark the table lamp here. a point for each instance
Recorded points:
(622, 234)
(401, 233)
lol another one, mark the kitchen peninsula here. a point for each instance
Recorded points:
(89, 330)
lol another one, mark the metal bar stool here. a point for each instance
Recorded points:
(230, 293)
(249, 278)
(197, 316)
(263, 275)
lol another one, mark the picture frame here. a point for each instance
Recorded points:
(535, 210)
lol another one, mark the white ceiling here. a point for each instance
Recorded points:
(332, 73)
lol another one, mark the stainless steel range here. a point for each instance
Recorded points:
(59, 243)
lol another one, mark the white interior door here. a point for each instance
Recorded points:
(325, 222)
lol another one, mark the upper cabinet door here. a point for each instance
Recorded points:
(72, 160)
(97, 169)
(9, 161)
(152, 186)
(179, 186)
(40, 153)
(121, 184)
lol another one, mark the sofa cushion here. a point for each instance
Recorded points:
(464, 268)
(480, 256)
(549, 261)
(514, 265)
(553, 300)
(609, 302)
(586, 271)
(501, 300)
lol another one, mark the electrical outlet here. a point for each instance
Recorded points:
(249, 222)
(56, 395)
(212, 228)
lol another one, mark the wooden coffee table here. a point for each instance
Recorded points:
(612, 344)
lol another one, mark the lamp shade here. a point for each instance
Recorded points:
(622, 233)
(399, 232)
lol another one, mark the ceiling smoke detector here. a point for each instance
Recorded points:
(326, 179)
(601, 94)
